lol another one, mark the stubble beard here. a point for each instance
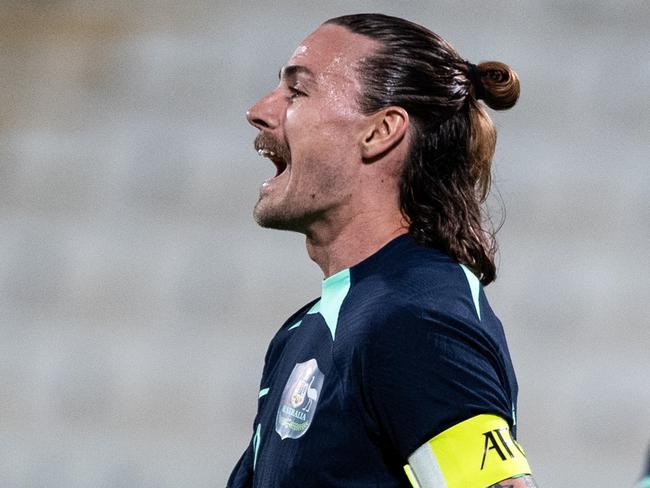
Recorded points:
(288, 212)
(267, 213)
(282, 208)
(280, 216)
(268, 216)
(297, 209)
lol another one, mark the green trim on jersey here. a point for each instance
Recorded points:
(475, 288)
(644, 483)
(297, 324)
(257, 439)
(334, 290)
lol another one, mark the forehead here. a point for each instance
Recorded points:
(332, 50)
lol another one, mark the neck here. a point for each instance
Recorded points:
(336, 247)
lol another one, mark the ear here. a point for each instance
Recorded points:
(386, 129)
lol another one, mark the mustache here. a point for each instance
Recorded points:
(265, 140)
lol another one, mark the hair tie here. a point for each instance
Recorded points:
(474, 75)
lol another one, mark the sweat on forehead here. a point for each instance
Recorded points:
(331, 46)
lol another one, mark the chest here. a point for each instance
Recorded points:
(309, 415)
(300, 384)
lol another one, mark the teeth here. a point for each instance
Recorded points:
(265, 153)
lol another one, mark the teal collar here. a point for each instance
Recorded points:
(334, 290)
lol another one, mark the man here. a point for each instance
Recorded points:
(399, 374)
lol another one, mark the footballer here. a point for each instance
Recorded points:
(399, 374)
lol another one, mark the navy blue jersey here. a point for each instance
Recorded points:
(398, 349)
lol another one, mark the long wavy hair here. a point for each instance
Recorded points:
(446, 178)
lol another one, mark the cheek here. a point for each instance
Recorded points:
(331, 126)
(305, 113)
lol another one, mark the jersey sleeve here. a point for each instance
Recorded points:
(423, 372)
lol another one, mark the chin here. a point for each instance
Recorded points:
(278, 218)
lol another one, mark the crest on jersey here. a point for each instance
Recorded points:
(299, 399)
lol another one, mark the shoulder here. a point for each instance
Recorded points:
(420, 371)
(414, 285)
(420, 308)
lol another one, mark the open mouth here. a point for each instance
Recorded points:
(279, 162)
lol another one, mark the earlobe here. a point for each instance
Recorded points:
(386, 130)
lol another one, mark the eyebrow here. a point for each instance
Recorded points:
(293, 70)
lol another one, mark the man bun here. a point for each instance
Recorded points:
(499, 85)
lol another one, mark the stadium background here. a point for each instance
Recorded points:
(137, 296)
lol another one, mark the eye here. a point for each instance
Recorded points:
(295, 93)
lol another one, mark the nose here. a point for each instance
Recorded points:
(265, 113)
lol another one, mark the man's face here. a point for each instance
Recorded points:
(311, 128)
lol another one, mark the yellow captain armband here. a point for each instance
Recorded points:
(476, 453)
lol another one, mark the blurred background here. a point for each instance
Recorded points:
(137, 296)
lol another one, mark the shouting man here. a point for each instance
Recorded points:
(399, 374)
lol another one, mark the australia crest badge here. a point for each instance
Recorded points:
(299, 399)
